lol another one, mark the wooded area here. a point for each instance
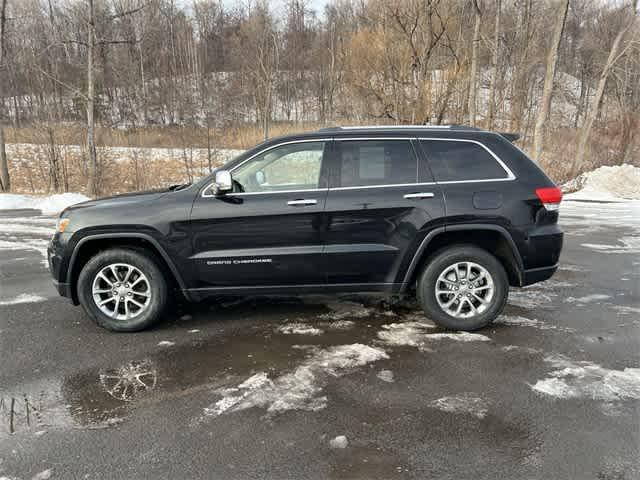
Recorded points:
(193, 73)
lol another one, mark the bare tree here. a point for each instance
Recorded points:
(494, 66)
(617, 49)
(474, 63)
(91, 122)
(5, 180)
(549, 75)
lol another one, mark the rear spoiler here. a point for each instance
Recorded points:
(512, 137)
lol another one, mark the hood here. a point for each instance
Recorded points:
(120, 200)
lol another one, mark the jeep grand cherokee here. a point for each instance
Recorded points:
(454, 215)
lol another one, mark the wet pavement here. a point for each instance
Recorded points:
(261, 387)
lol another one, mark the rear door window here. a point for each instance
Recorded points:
(454, 161)
(362, 163)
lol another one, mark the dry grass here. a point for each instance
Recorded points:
(234, 137)
(142, 165)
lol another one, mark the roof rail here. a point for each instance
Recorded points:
(398, 127)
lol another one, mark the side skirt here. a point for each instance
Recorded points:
(388, 288)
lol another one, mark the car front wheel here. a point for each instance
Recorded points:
(123, 290)
(463, 288)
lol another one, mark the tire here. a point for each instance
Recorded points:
(440, 272)
(149, 289)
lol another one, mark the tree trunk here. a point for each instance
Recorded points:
(474, 65)
(494, 67)
(592, 112)
(550, 71)
(91, 140)
(519, 83)
(5, 180)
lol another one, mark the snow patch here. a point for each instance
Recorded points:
(412, 334)
(518, 348)
(44, 475)
(166, 343)
(385, 376)
(300, 389)
(23, 298)
(50, 205)
(627, 310)
(518, 321)
(528, 299)
(465, 403)
(459, 337)
(415, 334)
(339, 442)
(344, 310)
(594, 297)
(582, 379)
(341, 325)
(606, 184)
(298, 329)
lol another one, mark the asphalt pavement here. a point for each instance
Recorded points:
(327, 387)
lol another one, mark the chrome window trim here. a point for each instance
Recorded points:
(304, 140)
(386, 185)
(510, 175)
(242, 194)
(350, 139)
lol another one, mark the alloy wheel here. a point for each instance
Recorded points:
(465, 289)
(121, 291)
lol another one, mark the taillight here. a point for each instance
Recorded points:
(550, 197)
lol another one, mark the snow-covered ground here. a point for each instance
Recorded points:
(48, 205)
(607, 197)
(27, 152)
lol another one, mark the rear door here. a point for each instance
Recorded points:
(377, 212)
(269, 231)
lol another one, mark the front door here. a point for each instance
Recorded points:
(268, 232)
(377, 212)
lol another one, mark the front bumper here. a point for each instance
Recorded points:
(62, 288)
(56, 261)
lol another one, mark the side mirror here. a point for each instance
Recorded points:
(223, 182)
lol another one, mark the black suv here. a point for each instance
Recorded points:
(452, 214)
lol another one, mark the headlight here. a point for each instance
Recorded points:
(62, 224)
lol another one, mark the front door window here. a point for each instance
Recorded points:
(287, 167)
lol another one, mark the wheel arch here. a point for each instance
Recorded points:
(493, 238)
(89, 246)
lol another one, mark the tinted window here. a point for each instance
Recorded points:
(375, 162)
(455, 161)
(288, 167)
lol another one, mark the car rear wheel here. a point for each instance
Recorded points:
(463, 288)
(123, 290)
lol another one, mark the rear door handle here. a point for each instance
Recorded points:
(302, 202)
(419, 195)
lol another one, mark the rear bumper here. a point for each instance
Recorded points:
(541, 254)
(535, 275)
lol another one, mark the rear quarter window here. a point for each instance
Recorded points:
(454, 161)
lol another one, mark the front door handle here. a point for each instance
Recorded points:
(419, 195)
(302, 202)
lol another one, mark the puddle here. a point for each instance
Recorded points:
(103, 397)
